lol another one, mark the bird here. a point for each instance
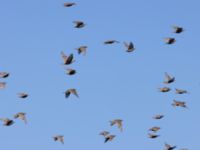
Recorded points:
(67, 59)
(23, 95)
(59, 138)
(2, 85)
(82, 49)
(158, 117)
(154, 129)
(111, 42)
(7, 122)
(71, 71)
(118, 122)
(169, 147)
(178, 29)
(181, 91)
(130, 46)
(170, 40)
(79, 24)
(109, 138)
(22, 116)
(4, 74)
(153, 136)
(168, 78)
(71, 91)
(179, 103)
(104, 133)
(164, 89)
(69, 4)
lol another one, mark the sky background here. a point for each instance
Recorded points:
(111, 83)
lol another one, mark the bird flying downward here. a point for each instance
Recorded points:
(22, 95)
(164, 89)
(82, 49)
(67, 59)
(169, 147)
(71, 91)
(168, 78)
(69, 4)
(170, 40)
(179, 103)
(22, 116)
(109, 138)
(178, 29)
(180, 91)
(7, 122)
(158, 117)
(153, 136)
(104, 133)
(118, 122)
(2, 85)
(130, 46)
(111, 42)
(59, 138)
(4, 74)
(71, 71)
(79, 24)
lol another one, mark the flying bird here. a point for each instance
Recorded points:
(164, 89)
(23, 95)
(67, 59)
(2, 85)
(153, 136)
(79, 24)
(22, 116)
(170, 40)
(118, 122)
(71, 91)
(179, 103)
(4, 74)
(59, 138)
(111, 42)
(130, 46)
(71, 71)
(82, 49)
(168, 78)
(178, 29)
(7, 122)
(154, 129)
(104, 133)
(158, 117)
(109, 138)
(69, 4)
(180, 91)
(169, 147)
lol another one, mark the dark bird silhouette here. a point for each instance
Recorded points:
(69, 4)
(23, 95)
(2, 85)
(109, 138)
(59, 138)
(79, 24)
(7, 122)
(118, 122)
(130, 46)
(153, 136)
(158, 116)
(71, 71)
(22, 116)
(168, 78)
(179, 103)
(178, 29)
(180, 91)
(67, 59)
(82, 49)
(71, 91)
(164, 89)
(170, 40)
(4, 74)
(169, 147)
(111, 42)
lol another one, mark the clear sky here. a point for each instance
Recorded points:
(111, 83)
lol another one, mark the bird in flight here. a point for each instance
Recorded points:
(71, 91)
(164, 89)
(118, 122)
(4, 74)
(67, 59)
(153, 136)
(179, 103)
(169, 147)
(69, 4)
(104, 133)
(109, 138)
(79, 24)
(178, 29)
(168, 78)
(170, 40)
(82, 49)
(130, 46)
(154, 129)
(181, 91)
(59, 138)
(22, 116)
(7, 122)
(71, 71)
(111, 42)
(23, 95)
(158, 116)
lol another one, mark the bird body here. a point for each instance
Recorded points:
(71, 91)
(170, 40)
(22, 116)
(164, 89)
(7, 122)
(118, 122)
(168, 78)
(130, 46)
(158, 116)
(4, 74)
(111, 42)
(59, 138)
(109, 138)
(79, 24)
(69, 4)
(82, 49)
(67, 59)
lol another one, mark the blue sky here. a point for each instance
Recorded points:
(111, 83)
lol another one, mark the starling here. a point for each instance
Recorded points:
(158, 117)
(169, 147)
(7, 122)
(180, 91)
(178, 29)
(164, 89)
(130, 46)
(118, 122)
(67, 59)
(59, 138)
(170, 40)
(71, 71)
(22, 116)
(111, 42)
(153, 136)
(71, 91)
(154, 129)
(22, 95)
(104, 133)
(179, 103)
(79, 24)
(168, 78)
(69, 4)
(2, 85)
(82, 49)
(4, 74)
(109, 138)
